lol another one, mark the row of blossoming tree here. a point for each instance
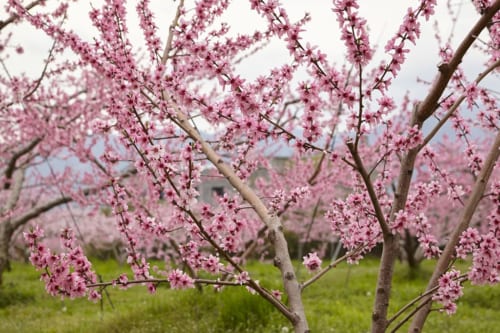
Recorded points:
(364, 167)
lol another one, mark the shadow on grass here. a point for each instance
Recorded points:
(232, 310)
(10, 295)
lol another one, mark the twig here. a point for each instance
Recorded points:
(44, 71)
(170, 37)
(158, 281)
(462, 278)
(333, 264)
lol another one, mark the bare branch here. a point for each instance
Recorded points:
(38, 82)
(37, 211)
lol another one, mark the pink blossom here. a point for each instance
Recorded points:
(312, 261)
(450, 290)
(277, 294)
(180, 280)
(242, 278)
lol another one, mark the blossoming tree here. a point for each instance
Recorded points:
(36, 120)
(157, 97)
(45, 131)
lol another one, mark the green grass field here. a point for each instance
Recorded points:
(340, 302)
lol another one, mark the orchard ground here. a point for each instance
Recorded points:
(340, 302)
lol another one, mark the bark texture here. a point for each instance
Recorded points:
(5, 237)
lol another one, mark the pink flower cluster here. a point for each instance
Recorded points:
(122, 281)
(485, 248)
(455, 190)
(354, 32)
(242, 278)
(396, 46)
(474, 160)
(353, 220)
(66, 274)
(148, 28)
(212, 264)
(450, 290)
(180, 280)
(414, 220)
(281, 198)
(407, 141)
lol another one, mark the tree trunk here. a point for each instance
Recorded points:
(292, 287)
(384, 283)
(391, 242)
(410, 247)
(5, 237)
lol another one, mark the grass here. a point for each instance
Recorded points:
(340, 302)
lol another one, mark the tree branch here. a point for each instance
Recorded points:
(14, 17)
(170, 37)
(455, 106)
(16, 191)
(37, 211)
(157, 281)
(369, 187)
(38, 82)
(391, 242)
(446, 70)
(11, 166)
